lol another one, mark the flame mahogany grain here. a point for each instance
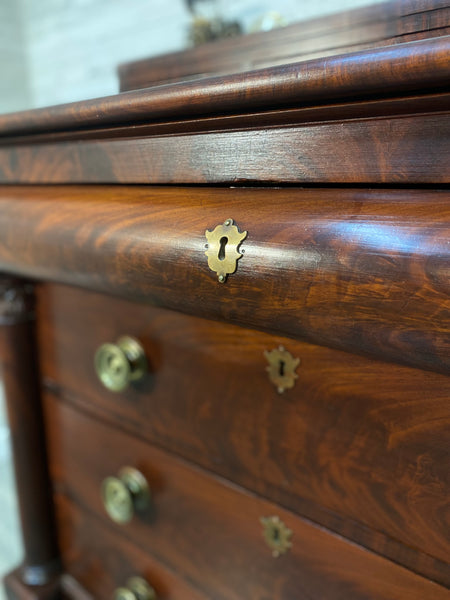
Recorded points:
(359, 270)
(395, 150)
(208, 531)
(360, 446)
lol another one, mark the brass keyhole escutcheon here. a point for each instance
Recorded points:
(281, 368)
(125, 494)
(277, 535)
(136, 589)
(223, 249)
(117, 365)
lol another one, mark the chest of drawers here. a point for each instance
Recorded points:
(259, 266)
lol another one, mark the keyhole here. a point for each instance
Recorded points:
(276, 534)
(223, 243)
(281, 368)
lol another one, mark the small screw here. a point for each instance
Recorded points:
(228, 222)
(221, 278)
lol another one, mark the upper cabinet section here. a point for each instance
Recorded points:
(382, 24)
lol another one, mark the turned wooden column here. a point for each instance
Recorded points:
(19, 377)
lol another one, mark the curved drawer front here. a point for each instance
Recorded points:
(352, 439)
(360, 270)
(210, 532)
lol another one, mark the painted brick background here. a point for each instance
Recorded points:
(14, 80)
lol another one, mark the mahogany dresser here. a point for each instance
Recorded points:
(224, 329)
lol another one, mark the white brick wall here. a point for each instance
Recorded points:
(75, 46)
(15, 93)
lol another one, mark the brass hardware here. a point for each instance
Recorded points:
(208, 24)
(119, 364)
(125, 494)
(136, 589)
(222, 249)
(281, 368)
(202, 30)
(277, 535)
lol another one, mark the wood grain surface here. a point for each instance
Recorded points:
(359, 270)
(391, 150)
(360, 446)
(415, 66)
(209, 531)
(101, 560)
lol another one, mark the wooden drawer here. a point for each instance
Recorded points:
(354, 439)
(101, 560)
(209, 531)
(364, 271)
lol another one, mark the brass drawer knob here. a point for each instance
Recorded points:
(125, 494)
(136, 589)
(117, 365)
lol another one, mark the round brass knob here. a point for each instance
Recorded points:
(136, 589)
(125, 494)
(119, 364)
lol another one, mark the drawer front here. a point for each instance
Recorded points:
(102, 561)
(209, 531)
(360, 270)
(353, 439)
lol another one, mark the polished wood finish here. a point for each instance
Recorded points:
(88, 547)
(411, 104)
(344, 445)
(303, 145)
(21, 391)
(382, 72)
(356, 151)
(272, 126)
(357, 270)
(348, 272)
(209, 531)
(382, 24)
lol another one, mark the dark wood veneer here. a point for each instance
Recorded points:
(363, 271)
(358, 445)
(381, 72)
(20, 384)
(102, 560)
(209, 531)
(346, 445)
(377, 25)
(356, 150)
